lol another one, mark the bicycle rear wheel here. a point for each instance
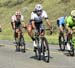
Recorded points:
(45, 50)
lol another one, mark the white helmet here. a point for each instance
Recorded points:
(18, 13)
(73, 13)
(38, 7)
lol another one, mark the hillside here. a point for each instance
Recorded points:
(54, 8)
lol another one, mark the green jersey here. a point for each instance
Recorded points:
(69, 22)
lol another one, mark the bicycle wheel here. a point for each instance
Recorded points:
(17, 45)
(71, 49)
(22, 43)
(45, 50)
(39, 53)
(37, 50)
(61, 43)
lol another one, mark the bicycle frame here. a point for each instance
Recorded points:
(42, 47)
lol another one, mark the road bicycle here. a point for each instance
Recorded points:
(20, 43)
(42, 50)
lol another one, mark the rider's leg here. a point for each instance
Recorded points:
(12, 25)
(61, 30)
(18, 34)
(29, 29)
(69, 34)
(15, 34)
(42, 31)
(61, 33)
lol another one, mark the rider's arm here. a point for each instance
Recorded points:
(69, 29)
(32, 20)
(67, 26)
(46, 18)
(13, 25)
(33, 24)
(48, 22)
(13, 22)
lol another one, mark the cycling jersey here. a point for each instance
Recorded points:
(61, 21)
(38, 19)
(70, 22)
(17, 21)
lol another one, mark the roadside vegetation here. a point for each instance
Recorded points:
(54, 8)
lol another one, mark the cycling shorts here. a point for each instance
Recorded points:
(39, 25)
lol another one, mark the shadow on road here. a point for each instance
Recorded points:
(34, 57)
(67, 54)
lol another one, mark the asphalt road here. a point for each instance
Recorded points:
(9, 58)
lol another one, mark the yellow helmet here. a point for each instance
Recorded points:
(73, 14)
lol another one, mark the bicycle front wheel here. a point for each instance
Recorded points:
(61, 43)
(22, 43)
(71, 50)
(45, 50)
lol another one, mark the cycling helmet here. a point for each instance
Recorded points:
(73, 14)
(38, 7)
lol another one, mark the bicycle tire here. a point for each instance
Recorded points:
(39, 53)
(45, 49)
(22, 43)
(37, 50)
(71, 51)
(17, 46)
(61, 43)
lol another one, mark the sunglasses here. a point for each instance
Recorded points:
(39, 10)
(73, 16)
(18, 15)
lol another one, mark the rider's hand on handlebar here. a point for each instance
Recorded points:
(51, 30)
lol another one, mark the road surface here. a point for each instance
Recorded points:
(9, 58)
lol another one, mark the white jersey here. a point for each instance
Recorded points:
(37, 18)
(13, 18)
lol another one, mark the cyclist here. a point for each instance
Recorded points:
(61, 25)
(17, 21)
(70, 23)
(36, 21)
